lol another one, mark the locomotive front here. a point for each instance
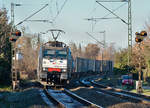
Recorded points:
(55, 64)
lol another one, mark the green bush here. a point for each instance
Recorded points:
(124, 70)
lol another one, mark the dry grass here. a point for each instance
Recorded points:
(145, 91)
(5, 88)
(129, 105)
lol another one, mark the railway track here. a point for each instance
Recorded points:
(66, 99)
(132, 97)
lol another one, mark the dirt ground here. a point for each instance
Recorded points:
(29, 98)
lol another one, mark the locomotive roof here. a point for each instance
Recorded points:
(55, 45)
(55, 48)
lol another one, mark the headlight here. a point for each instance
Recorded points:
(64, 70)
(44, 69)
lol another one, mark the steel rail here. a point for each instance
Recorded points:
(82, 100)
(61, 104)
(124, 94)
(53, 99)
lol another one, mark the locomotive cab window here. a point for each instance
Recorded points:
(55, 53)
(50, 53)
(61, 53)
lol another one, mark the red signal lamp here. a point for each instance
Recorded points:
(12, 39)
(137, 40)
(17, 33)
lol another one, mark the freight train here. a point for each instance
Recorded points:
(56, 65)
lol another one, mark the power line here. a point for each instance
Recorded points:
(129, 23)
(112, 13)
(26, 4)
(59, 11)
(94, 9)
(112, 1)
(47, 21)
(50, 8)
(104, 17)
(32, 14)
(95, 39)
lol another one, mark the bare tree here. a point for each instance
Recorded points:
(80, 52)
(74, 50)
(91, 51)
(109, 52)
(28, 63)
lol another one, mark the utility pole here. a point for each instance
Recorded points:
(139, 89)
(129, 33)
(12, 14)
(129, 23)
(104, 45)
(139, 38)
(14, 72)
(104, 38)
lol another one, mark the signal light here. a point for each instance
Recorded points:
(138, 39)
(17, 33)
(14, 36)
(140, 36)
(143, 33)
(137, 33)
(12, 39)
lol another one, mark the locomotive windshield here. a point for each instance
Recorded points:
(55, 53)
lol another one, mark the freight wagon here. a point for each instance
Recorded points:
(97, 66)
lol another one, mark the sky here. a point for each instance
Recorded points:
(72, 19)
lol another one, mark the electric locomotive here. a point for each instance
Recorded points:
(55, 63)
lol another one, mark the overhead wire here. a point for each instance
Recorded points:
(57, 7)
(50, 8)
(51, 14)
(98, 19)
(32, 15)
(95, 39)
(26, 4)
(95, 7)
(114, 10)
(59, 11)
